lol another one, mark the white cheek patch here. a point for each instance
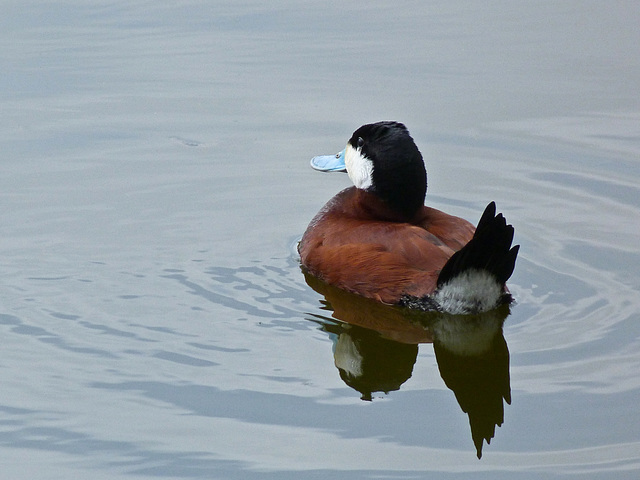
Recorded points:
(359, 168)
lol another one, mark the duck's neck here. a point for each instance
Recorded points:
(402, 190)
(375, 208)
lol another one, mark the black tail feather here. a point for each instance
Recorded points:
(489, 250)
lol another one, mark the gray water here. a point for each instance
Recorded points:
(154, 183)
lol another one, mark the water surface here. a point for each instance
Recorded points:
(154, 183)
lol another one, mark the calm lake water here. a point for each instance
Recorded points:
(155, 181)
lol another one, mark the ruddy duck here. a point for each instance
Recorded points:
(378, 239)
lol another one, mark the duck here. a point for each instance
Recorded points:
(378, 239)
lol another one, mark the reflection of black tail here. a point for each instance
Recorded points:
(489, 250)
(480, 383)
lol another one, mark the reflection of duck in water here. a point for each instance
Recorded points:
(376, 346)
(473, 359)
(378, 240)
(368, 362)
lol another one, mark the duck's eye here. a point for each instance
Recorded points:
(360, 142)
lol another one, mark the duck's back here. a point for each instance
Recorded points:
(357, 244)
